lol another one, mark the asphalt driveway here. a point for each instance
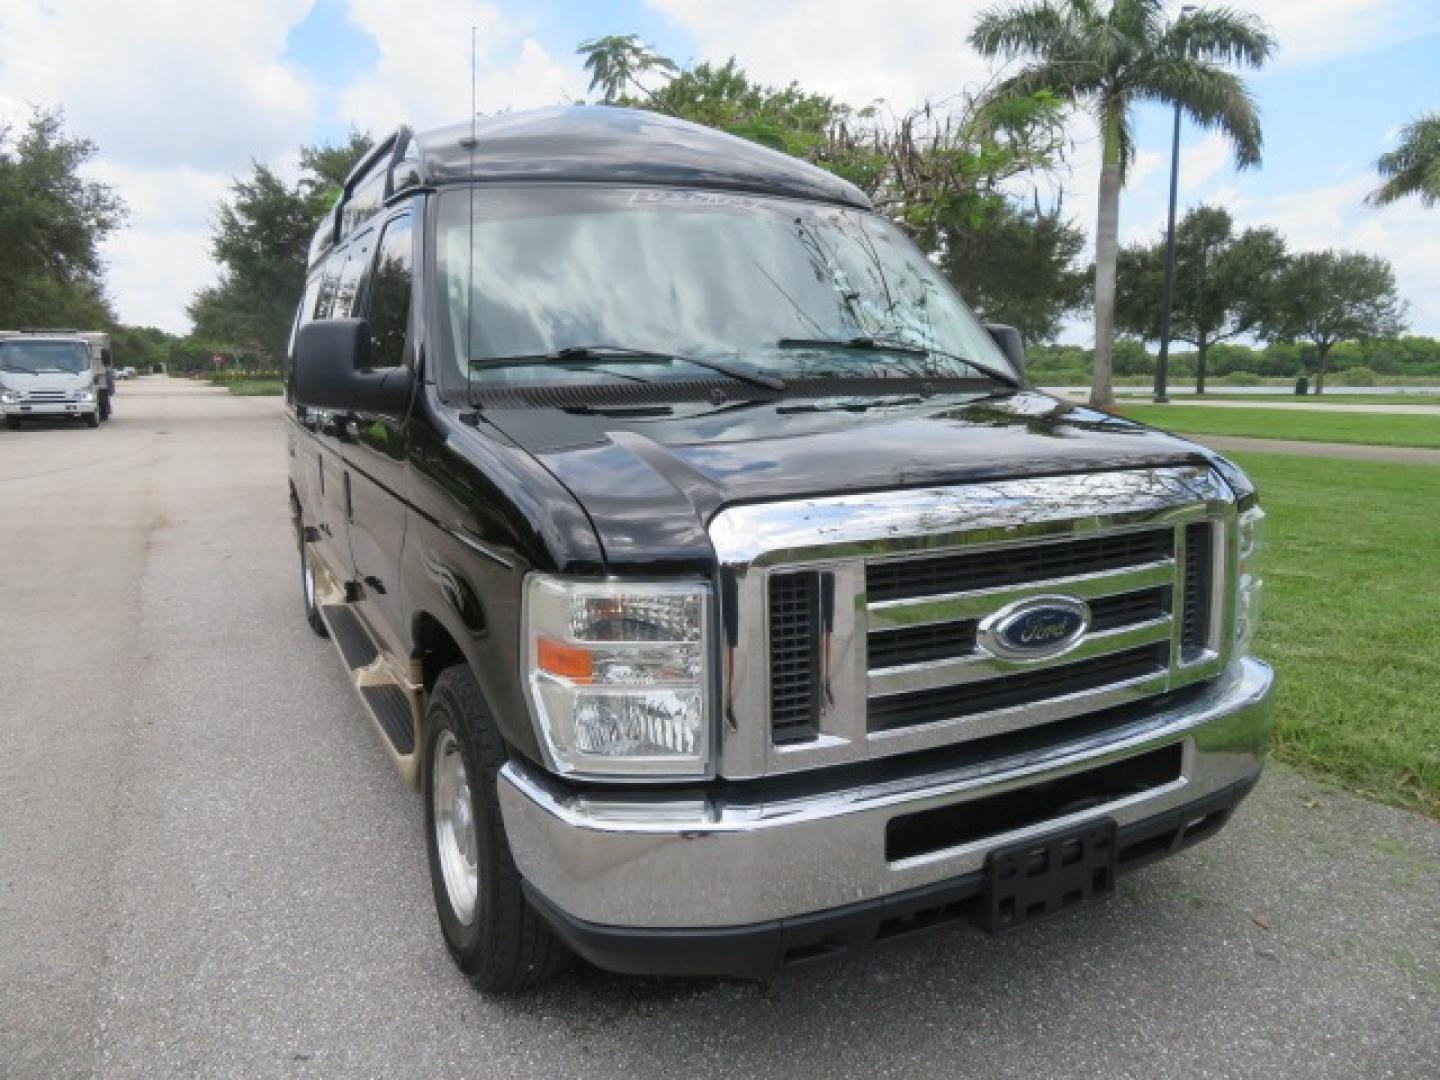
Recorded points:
(207, 866)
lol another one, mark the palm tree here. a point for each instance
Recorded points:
(616, 59)
(1413, 168)
(1108, 59)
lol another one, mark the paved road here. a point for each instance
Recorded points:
(208, 869)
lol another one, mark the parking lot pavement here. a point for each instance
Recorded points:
(208, 868)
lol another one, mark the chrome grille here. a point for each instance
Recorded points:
(1195, 612)
(903, 660)
(1015, 565)
(47, 396)
(794, 659)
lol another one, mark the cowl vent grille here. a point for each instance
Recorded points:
(597, 396)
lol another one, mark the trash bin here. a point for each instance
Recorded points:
(1302, 386)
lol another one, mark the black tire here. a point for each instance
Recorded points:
(92, 420)
(13, 423)
(507, 946)
(103, 401)
(307, 590)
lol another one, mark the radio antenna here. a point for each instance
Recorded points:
(470, 239)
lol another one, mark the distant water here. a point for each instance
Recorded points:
(1278, 391)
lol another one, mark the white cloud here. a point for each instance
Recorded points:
(1202, 161)
(908, 50)
(161, 83)
(1335, 216)
(162, 256)
(904, 51)
(423, 74)
(1314, 30)
(178, 97)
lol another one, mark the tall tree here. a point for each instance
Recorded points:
(52, 222)
(1413, 167)
(722, 96)
(1106, 59)
(1327, 297)
(324, 168)
(1222, 283)
(261, 240)
(616, 61)
(1017, 265)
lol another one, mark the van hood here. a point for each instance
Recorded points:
(651, 480)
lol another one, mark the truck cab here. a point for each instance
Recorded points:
(48, 374)
(718, 577)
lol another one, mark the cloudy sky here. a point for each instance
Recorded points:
(182, 96)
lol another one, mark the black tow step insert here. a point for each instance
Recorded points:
(350, 637)
(392, 710)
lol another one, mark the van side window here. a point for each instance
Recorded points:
(389, 311)
(327, 286)
(349, 284)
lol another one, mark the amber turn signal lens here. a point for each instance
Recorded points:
(566, 661)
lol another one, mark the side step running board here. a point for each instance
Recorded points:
(391, 708)
(350, 636)
(392, 704)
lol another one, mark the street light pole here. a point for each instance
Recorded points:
(1162, 362)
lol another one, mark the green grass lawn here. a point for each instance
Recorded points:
(257, 387)
(1375, 429)
(1352, 621)
(1330, 397)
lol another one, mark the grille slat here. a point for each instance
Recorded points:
(794, 655)
(951, 702)
(944, 641)
(1017, 565)
(1195, 605)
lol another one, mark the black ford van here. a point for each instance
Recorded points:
(720, 580)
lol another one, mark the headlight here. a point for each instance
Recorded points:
(84, 395)
(1250, 544)
(11, 397)
(618, 675)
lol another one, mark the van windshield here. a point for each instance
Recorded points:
(530, 271)
(37, 357)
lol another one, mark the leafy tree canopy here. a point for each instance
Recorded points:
(1327, 297)
(1413, 167)
(1105, 58)
(52, 222)
(1223, 281)
(261, 240)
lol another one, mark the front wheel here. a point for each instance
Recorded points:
(495, 937)
(307, 589)
(13, 423)
(92, 419)
(103, 401)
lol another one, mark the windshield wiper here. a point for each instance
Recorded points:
(609, 354)
(864, 343)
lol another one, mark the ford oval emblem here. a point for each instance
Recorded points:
(1033, 629)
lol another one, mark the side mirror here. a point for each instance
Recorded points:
(332, 370)
(1011, 344)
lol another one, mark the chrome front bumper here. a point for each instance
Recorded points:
(698, 860)
(48, 408)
